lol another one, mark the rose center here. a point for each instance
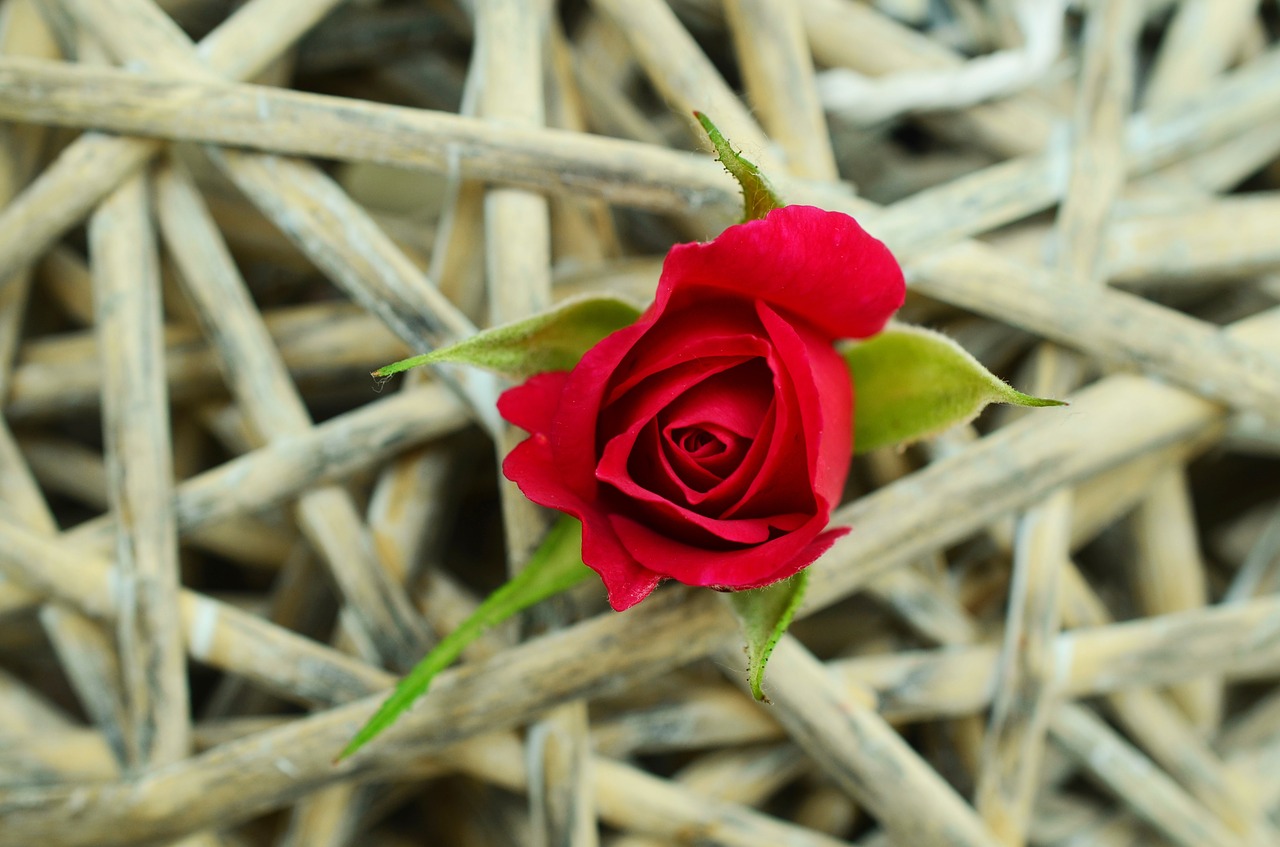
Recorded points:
(697, 442)
(712, 450)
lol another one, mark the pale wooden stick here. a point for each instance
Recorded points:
(1225, 165)
(635, 277)
(841, 731)
(677, 66)
(1101, 501)
(1258, 565)
(912, 591)
(1104, 91)
(638, 801)
(1178, 343)
(409, 501)
(1169, 575)
(1011, 190)
(1026, 682)
(673, 629)
(537, 158)
(259, 380)
(62, 373)
(518, 280)
(253, 238)
(953, 276)
(325, 818)
(562, 793)
(935, 615)
(632, 799)
(410, 508)
(778, 74)
(69, 468)
(1200, 42)
(517, 223)
(691, 719)
(90, 168)
(14, 598)
(1151, 794)
(214, 633)
(136, 434)
(1160, 728)
(827, 809)
(339, 236)
(1097, 324)
(1227, 237)
(27, 715)
(582, 230)
(70, 755)
(342, 239)
(89, 657)
(857, 36)
(924, 685)
(916, 685)
(1129, 654)
(747, 776)
(66, 276)
(1026, 687)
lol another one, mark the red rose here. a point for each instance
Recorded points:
(709, 441)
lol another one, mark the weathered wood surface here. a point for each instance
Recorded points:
(208, 513)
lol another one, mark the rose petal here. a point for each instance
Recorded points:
(532, 406)
(736, 400)
(823, 404)
(817, 265)
(696, 565)
(815, 548)
(534, 468)
(777, 461)
(659, 508)
(723, 328)
(653, 467)
(573, 435)
(703, 469)
(654, 394)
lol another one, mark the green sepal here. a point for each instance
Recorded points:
(911, 383)
(758, 196)
(764, 615)
(556, 566)
(551, 341)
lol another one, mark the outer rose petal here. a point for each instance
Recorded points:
(817, 265)
(533, 467)
(532, 406)
(745, 568)
(803, 559)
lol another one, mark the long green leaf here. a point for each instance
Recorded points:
(911, 383)
(758, 196)
(551, 341)
(555, 567)
(764, 615)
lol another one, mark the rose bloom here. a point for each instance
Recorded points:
(709, 441)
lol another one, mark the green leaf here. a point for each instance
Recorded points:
(911, 383)
(758, 195)
(556, 566)
(764, 615)
(551, 341)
